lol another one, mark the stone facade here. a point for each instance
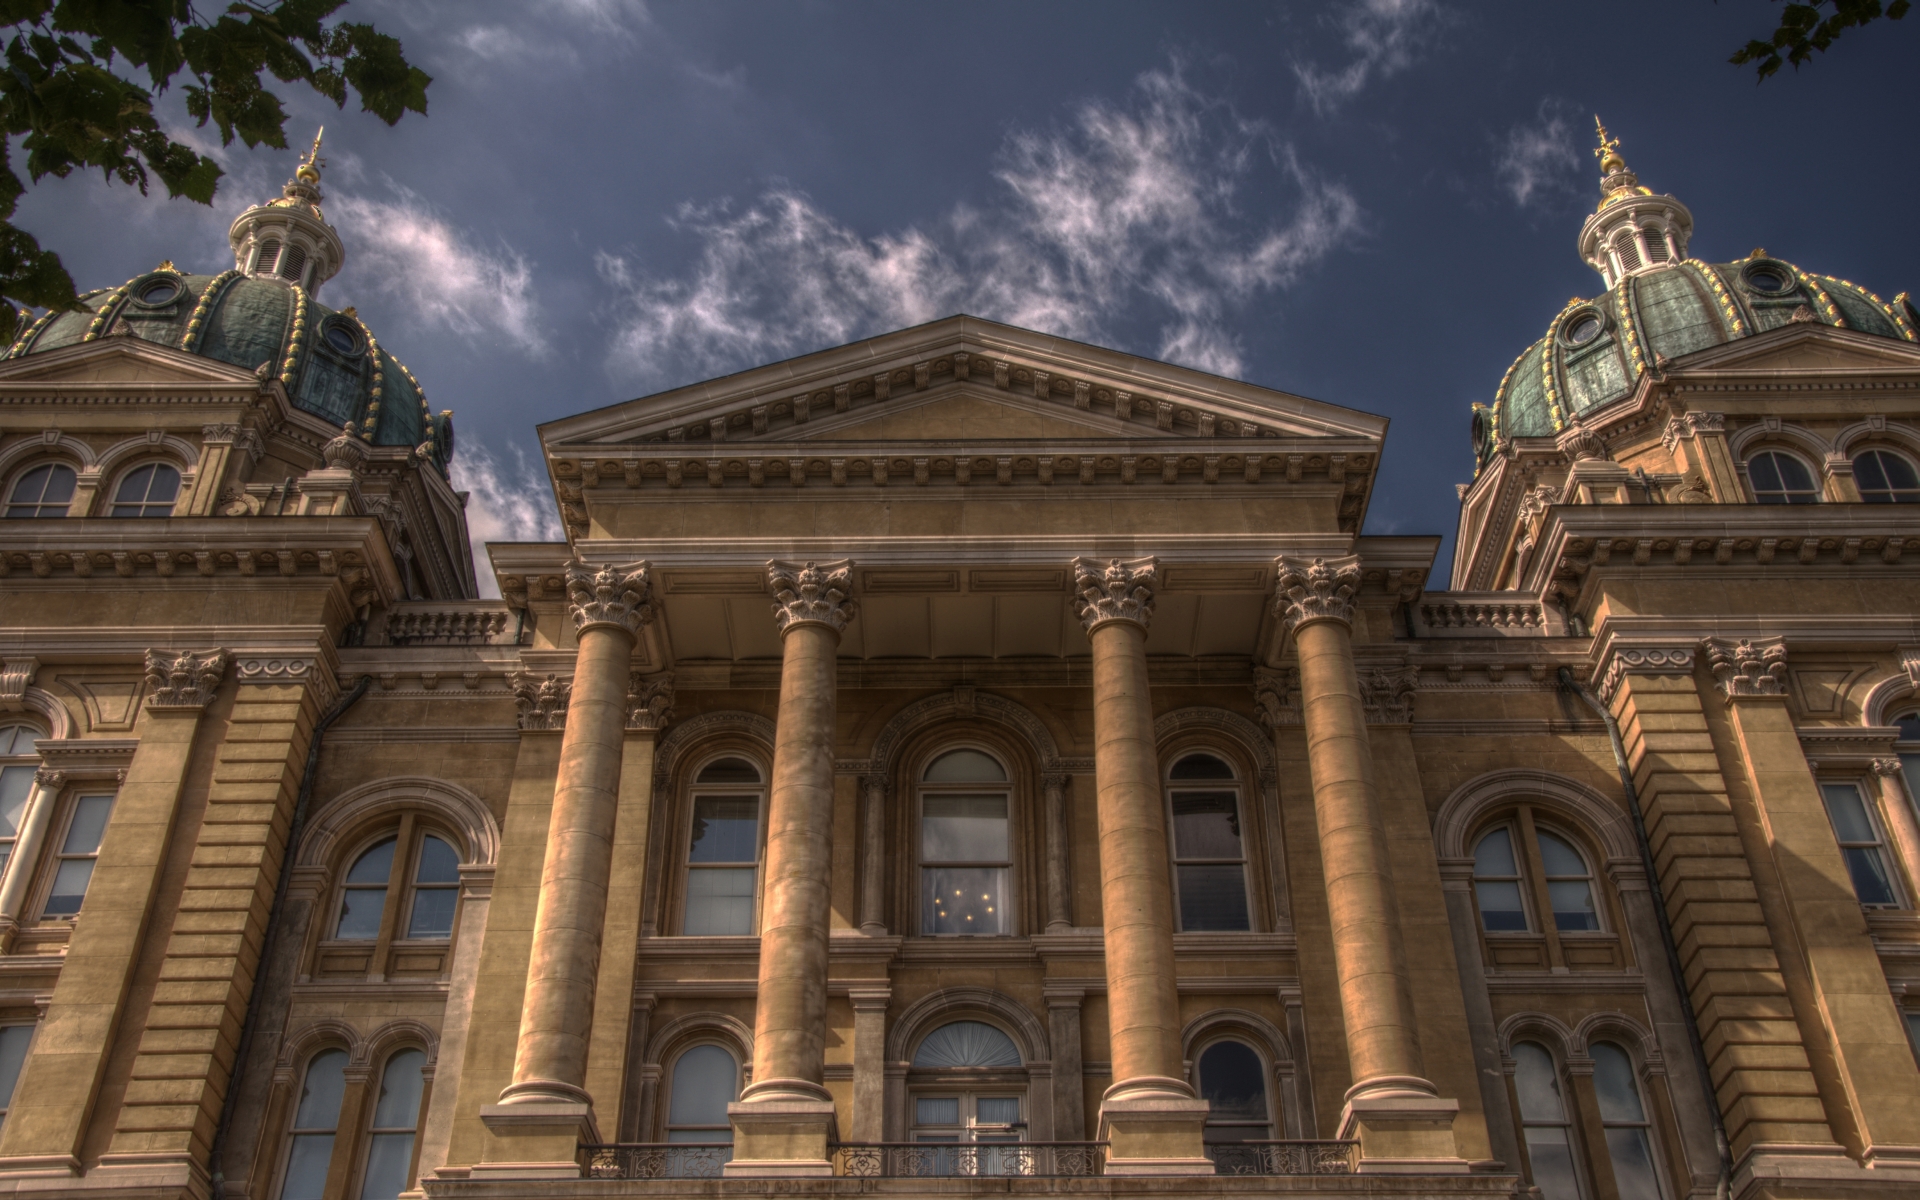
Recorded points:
(965, 740)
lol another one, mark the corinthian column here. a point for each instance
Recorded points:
(1150, 1115)
(1391, 1108)
(547, 1102)
(783, 1122)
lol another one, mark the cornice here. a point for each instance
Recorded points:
(130, 643)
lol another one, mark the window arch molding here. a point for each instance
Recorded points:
(970, 1004)
(322, 1033)
(351, 817)
(901, 732)
(177, 453)
(43, 708)
(1623, 1031)
(53, 445)
(393, 1037)
(1876, 432)
(1284, 1086)
(1474, 802)
(688, 747)
(664, 1047)
(1749, 440)
(1885, 699)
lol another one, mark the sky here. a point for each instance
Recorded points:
(1373, 203)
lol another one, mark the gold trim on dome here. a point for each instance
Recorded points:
(1727, 307)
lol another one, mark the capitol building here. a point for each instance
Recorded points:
(966, 762)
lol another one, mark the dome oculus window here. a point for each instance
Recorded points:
(147, 491)
(1780, 478)
(1886, 478)
(342, 337)
(159, 291)
(1583, 328)
(1769, 279)
(44, 491)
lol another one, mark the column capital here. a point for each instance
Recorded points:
(542, 702)
(618, 595)
(1387, 694)
(1321, 590)
(1113, 590)
(1746, 668)
(1273, 695)
(812, 593)
(1885, 767)
(649, 701)
(186, 680)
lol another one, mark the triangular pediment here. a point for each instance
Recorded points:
(966, 379)
(1802, 349)
(121, 360)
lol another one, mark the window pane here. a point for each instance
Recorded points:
(936, 1110)
(360, 910)
(388, 1155)
(1573, 908)
(705, 1081)
(963, 828)
(1233, 1081)
(374, 866)
(14, 1040)
(1500, 907)
(1793, 473)
(1206, 825)
(16, 784)
(1910, 767)
(438, 863)
(1849, 812)
(320, 1095)
(134, 486)
(89, 822)
(1613, 1084)
(1632, 1156)
(307, 1162)
(996, 1110)
(719, 901)
(1213, 897)
(1200, 766)
(965, 766)
(1900, 473)
(729, 770)
(964, 899)
(69, 887)
(1494, 856)
(1552, 1162)
(1869, 873)
(725, 829)
(1764, 473)
(18, 739)
(967, 1044)
(1868, 472)
(433, 912)
(400, 1084)
(1560, 858)
(1537, 1082)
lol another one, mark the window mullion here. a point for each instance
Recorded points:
(1585, 1118)
(349, 1136)
(399, 874)
(1536, 872)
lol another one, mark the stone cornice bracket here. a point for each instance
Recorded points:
(621, 596)
(185, 680)
(1273, 696)
(1744, 668)
(16, 675)
(1885, 767)
(813, 593)
(543, 702)
(1909, 662)
(649, 701)
(1112, 590)
(1321, 590)
(1640, 660)
(307, 670)
(1387, 694)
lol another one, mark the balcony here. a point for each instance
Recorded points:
(970, 1160)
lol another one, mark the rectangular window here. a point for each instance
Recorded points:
(964, 859)
(79, 847)
(14, 1040)
(1209, 861)
(722, 866)
(1860, 844)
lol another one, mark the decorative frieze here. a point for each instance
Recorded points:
(185, 680)
(1114, 590)
(1641, 660)
(609, 595)
(542, 702)
(1321, 590)
(820, 593)
(649, 701)
(1744, 668)
(1387, 694)
(302, 669)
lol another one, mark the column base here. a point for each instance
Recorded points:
(782, 1136)
(535, 1139)
(1403, 1129)
(1154, 1132)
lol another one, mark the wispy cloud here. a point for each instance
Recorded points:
(556, 31)
(1538, 159)
(508, 501)
(1127, 212)
(1382, 38)
(405, 248)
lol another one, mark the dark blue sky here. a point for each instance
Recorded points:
(1373, 204)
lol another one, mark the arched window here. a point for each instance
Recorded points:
(1209, 847)
(363, 897)
(1656, 245)
(1781, 478)
(18, 762)
(1857, 828)
(1544, 1124)
(263, 262)
(1629, 1133)
(705, 1080)
(396, 1115)
(315, 1121)
(1569, 885)
(436, 890)
(1233, 1081)
(723, 849)
(146, 491)
(405, 886)
(42, 491)
(1496, 883)
(1884, 477)
(293, 262)
(965, 1092)
(965, 853)
(1504, 865)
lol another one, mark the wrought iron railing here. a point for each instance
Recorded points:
(655, 1160)
(963, 1159)
(1284, 1158)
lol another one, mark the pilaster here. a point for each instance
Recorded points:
(869, 1061)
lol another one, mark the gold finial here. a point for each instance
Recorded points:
(309, 171)
(166, 264)
(1609, 151)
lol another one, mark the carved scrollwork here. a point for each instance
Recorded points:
(617, 595)
(185, 680)
(1746, 669)
(1321, 590)
(1112, 590)
(649, 701)
(812, 593)
(542, 702)
(1387, 694)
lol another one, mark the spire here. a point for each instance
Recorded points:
(289, 239)
(1632, 230)
(1616, 178)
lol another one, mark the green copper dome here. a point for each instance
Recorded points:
(1595, 351)
(329, 362)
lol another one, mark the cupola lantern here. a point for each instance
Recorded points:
(1633, 230)
(289, 239)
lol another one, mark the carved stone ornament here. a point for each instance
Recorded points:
(1746, 669)
(185, 680)
(1538, 501)
(649, 701)
(1387, 694)
(1273, 696)
(346, 452)
(15, 676)
(812, 593)
(621, 596)
(1689, 425)
(1886, 767)
(1643, 660)
(1910, 663)
(1112, 590)
(1579, 443)
(543, 702)
(51, 779)
(1321, 590)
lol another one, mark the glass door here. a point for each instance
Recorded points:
(964, 1121)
